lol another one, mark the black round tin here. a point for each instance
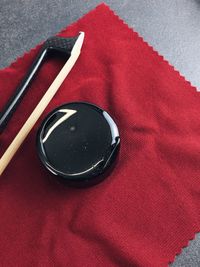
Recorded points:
(78, 142)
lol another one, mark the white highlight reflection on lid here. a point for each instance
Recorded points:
(68, 113)
(113, 127)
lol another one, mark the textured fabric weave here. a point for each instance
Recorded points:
(148, 208)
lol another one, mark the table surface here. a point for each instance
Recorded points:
(171, 27)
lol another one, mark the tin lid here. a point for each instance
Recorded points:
(79, 143)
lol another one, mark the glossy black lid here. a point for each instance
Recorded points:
(78, 142)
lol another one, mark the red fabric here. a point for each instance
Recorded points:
(148, 209)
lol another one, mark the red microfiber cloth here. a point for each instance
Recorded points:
(148, 208)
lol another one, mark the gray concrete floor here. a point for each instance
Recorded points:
(171, 27)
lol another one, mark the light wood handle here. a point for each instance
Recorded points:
(28, 125)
